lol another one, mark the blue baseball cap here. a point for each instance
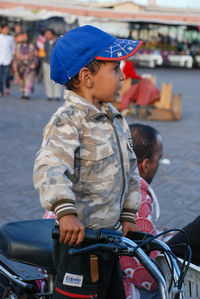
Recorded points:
(80, 46)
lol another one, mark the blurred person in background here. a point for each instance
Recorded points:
(129, 71)
(18, 31)
(53, 90)
(41, 39)
(7, 45)
(24, 64)
(17, 37)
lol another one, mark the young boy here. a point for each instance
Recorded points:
(86, 171)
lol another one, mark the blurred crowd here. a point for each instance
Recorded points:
(24, 61)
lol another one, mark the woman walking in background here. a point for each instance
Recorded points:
(25, 62)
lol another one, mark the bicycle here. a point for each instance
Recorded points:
(136, 244)
(26, 247)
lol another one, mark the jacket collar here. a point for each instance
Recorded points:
(107, 110)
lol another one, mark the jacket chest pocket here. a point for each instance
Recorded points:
(95, 163)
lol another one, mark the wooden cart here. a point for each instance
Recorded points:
(168, 108)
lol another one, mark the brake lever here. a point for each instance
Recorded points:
(114, 248)
(119, 242)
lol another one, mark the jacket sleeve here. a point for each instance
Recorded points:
(133, 199)
(54, 166)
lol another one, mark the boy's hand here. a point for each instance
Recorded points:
(129, 227)
(72, 231)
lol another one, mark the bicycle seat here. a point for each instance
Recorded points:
(29, 242)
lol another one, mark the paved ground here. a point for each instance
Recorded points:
(177, 185)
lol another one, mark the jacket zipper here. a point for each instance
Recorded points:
(121, 159)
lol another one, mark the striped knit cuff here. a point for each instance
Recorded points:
(127, 216)
(65, 209)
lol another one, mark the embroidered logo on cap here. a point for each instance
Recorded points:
(73, 280)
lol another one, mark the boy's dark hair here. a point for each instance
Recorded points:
(93, 66)
(144, 140)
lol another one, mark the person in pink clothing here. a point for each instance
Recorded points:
(129, 70)
(148, 147)
(144, 92)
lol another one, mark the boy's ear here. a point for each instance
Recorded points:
(86, 77)
(145, 166)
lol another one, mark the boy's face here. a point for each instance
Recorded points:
(107, 82)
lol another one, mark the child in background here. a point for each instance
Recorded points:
(148, 147)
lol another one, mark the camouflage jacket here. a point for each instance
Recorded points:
(86, 165)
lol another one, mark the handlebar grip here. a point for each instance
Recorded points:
(91, 235)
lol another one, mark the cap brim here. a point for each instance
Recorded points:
(120, 49)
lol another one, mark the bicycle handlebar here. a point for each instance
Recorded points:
(102, 239)
(113, 241)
